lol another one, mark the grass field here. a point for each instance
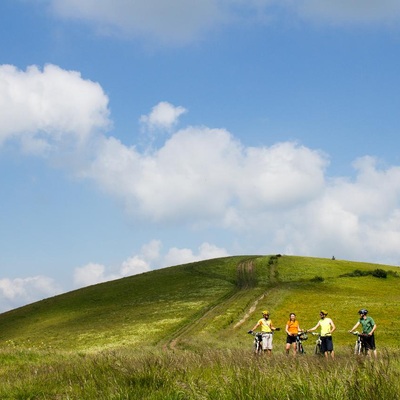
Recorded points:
(180, 333)
(210, 374)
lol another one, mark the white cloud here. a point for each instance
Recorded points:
(151, 251)
(352, 219)
(176, 256)
(150, 257)
(58, 107)
(278, 195)
(91, 274)
(203, 174)
(15, 292)
(176, 21)
(182, 21)
(163, 116)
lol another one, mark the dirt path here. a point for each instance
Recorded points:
(245, 280)
(251, 310)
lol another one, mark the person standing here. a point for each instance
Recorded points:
(327, 328)
(368, 328)
(292, 329)
(267, 330)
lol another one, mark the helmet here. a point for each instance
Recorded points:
(363, 311)
(324, 312)
(265, 312)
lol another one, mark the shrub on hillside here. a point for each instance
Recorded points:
(272, 260)
(317, 279)
(379, 273)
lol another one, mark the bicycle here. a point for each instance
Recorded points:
(359, 347)
(257, 343)
(300, 337)
(318, 342)
(258, 339)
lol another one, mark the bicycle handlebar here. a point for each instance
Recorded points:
(254, 333)
(358, 333)
(260, 333)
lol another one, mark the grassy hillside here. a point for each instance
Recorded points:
(210, 303)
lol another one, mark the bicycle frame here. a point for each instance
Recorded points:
(317, 349)
(257, 343)
(300, 337)
(359, 347)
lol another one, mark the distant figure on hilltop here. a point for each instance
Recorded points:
(267, 330)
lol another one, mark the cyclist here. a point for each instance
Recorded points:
(368, 328)
(327, 328)
(292, 329)
(267, 329)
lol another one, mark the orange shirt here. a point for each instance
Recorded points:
(293, 327)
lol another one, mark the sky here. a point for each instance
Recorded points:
(142, 134)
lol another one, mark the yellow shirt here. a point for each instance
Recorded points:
(265, 325)
(325, 325)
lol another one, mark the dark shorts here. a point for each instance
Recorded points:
(290, 339)
(326, 343)
(369, 342)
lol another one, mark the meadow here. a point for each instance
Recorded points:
(210, 374)
(181, 333)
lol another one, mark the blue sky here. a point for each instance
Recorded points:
(136, 135)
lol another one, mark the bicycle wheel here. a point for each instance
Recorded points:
(357, 348)
(255, 348)
(363, 349)
(297, 347)
(318, 349)
(301, 349)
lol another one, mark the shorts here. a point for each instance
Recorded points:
(326, 343)
(290, 339)
(369, 342)
(267, 341)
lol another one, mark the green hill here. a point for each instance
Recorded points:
(209, 303)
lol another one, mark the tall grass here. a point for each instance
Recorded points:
(128, 374)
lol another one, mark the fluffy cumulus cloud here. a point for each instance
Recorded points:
(58, 107)
(278, 195)
(14, 292)
(163, 116)
(206, 174)
(356, 218)
(206, 251)
(93, 273)
(181, 21)
(150, 257)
